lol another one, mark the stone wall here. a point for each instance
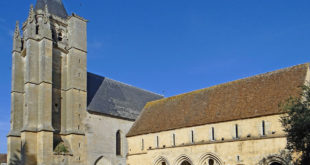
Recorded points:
(195, 144)
(101, 139)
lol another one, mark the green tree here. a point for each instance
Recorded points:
(296, 123)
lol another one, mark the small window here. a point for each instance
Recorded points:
(157, 141)
(173, 139)
(142, 144)
(211, 162)
(118, 143)
(192, 136)
(263, 128)
(238, 158)
(212, 134)
(236, 131)
(37, 29)
(59, 36)
(78, 127)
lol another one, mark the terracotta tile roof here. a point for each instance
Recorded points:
(246, 98)
(3, 158)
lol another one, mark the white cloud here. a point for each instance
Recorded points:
(95, 44)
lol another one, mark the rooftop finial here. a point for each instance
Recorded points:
(17, 31)
(46, 15)
(31, 14)
(46, 8)
(17, 43)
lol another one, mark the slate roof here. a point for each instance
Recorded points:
(246, 98)
(3, 158)
(113, 98)
(55, 7)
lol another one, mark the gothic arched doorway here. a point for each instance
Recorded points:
(102, 161)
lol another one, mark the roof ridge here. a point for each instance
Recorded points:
(227, 83)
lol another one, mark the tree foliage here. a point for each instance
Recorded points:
(61, 148)
(296, 123)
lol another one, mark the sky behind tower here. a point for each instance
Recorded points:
(175, 46)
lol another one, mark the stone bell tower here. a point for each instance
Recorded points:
(48, 98)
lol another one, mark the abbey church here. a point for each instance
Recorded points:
(61, 114)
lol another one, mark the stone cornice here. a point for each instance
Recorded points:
(72, 47)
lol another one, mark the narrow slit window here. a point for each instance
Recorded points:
(157, 141)
(212, 134)
(142, 144)
(192, 136)
(37, 29)
(238, 158)
(118, 143)
(173, 139)
(237, 131)
(263, 128)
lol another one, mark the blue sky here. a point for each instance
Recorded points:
(175, 46)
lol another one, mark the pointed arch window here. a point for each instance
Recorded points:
(118, 143)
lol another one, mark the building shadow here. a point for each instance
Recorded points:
(21, 157)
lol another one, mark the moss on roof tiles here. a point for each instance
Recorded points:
(246, 98)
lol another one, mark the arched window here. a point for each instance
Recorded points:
(118, 142)
(210, 159)
(275, 163)
(102, 160)
(211, 162)
(161, 161)
(185, 163)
